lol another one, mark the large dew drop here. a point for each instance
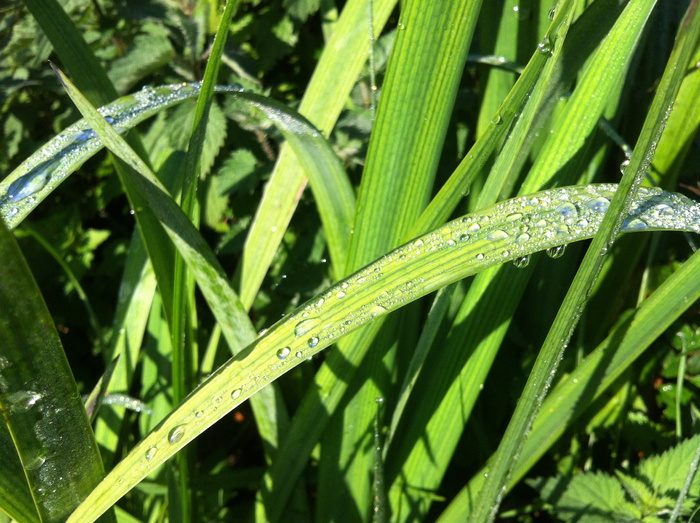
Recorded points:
(556, 252)
(521, 262)
(176, 434)
(30, 183)
(305, 326)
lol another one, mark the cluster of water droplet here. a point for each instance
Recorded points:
(27, 185)
(511, 230)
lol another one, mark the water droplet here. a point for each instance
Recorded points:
(599, 204)
(546, 46)
(522, 238)
(556, 252)
(217, 399)
(624, 165)
(313, 342)
(551, 13)
(199, 414)
(21, 401)
(35, 463)
(567, 210)
(30, 183)
(299, 354)
(340, 295)
(634, 224)
(320, 302)
(236, 393)
(497, 235)
(283, 353)
(521, 262)
(377, 310)
(514, 217)
(176, 434)
(474, 227)
(305, 326)
(464, 238)
(151, 453)
(479, 256)
(521, 12)
(497, 120)
(418, 243)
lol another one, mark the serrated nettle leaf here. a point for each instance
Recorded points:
(504, 232)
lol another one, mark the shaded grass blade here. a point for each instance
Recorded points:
(40, 398)
(75, 55)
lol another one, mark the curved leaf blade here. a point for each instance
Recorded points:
(454, 251)
(39, 398)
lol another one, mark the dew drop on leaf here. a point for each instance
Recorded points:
(545, 46)
(176, 434)
(305, 326)
(497, 235)
(521, 262)
(556, 252)
(377, 310)
(30, 183)
(283, 352)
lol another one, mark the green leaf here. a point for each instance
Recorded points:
(458, 249)
(667, 472)
(148, 53)
(35, 178)
(40, 401)
(590, 498)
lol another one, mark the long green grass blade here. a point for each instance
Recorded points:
(415, 108)
(328, 89)
(39, 399)
(456, 250)
(570, 398)
(570, 311)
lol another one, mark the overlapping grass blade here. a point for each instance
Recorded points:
(432, 261)
(481, 323)
(423, 76)
(595, 375)
(570, 311)
(334, 76)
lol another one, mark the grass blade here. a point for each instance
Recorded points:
(39, 396)
(430, 262)
(570, 398)
(570, 311)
